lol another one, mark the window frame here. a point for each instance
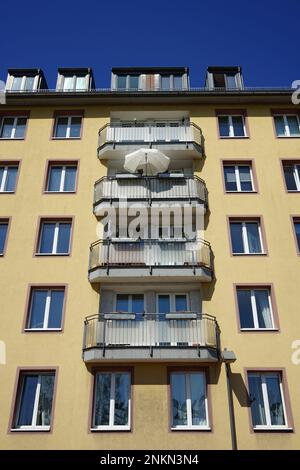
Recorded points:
(28, 313)
(229, 117)
(284, 115)
(17, 399)
(69, 117)
(284, 397)
(243, 221)
(22, 87)
(5, 221)
(57, 221)
(296, 174)
(129, 301)
(63, 164)
(13, 132)
(172, 297)
(6, 165)
(187, 372)
(112, 428)
(236, 165)
(271, 301)
(294, 219)
(74, 82)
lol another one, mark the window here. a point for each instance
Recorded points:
(67, 127)
(167, 303)
(296, 222)
(238, 178)
(54, 237)
(61, 178)
(189, 401)
(45, 309)
(287, 125)
(130, 303)
(292, 175)
(23, 83)
(246, 237)
(8, 177)
(255, 309)
(34, 401)
(112, 401)
(122, 82)
(232, 126)
(3, 235)
(225, 81)
(13, 127)
(74, 83)
(171, 82)
(268, 409)
(133, 82)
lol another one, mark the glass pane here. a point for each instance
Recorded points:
(238, 126)
(290, 178)
(122, 390)
(253, 237)
(230, 179)
(256, 399)
(165, 82)
(102, 399)
(47, 237)
(68, 83)
(11, 178)
(263, 308)
(81, 83)
(17, 83)
(178, 390)
(279, 125)
(37, 308)
(122, 303)
(134, 82)
(245, 178)
(231, 81)
(70, 178)
(45, 400)
(297, 232)
(236, 237)
(138, 303)
(61, 127)
(223, 126)
(164, 303)
(245, 308)
(198, 396)
(27, 400)
(29, 82)
(63, 243)
(177, 82)
(3, 232)
(293, 125)
(20, 128)
(181, 303)
(56, 308)
(75, 127)
(54, 178)
(275, 400)
(7, 128)
(121, 82)
(1, 174)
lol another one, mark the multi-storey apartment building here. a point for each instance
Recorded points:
(110, 341)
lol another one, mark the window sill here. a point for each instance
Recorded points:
(41, 330)
(273, 429)
(241, 192)
(234, 137)
(249, 254)
(259, 330)
(59, 192)
(12, 138)
(110, 429)
(66, 138)
(51, 254)
(7, 192)
(192, 428)
(32, 429)
(288, 136)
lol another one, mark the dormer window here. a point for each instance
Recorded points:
(75, 80)
(26, 80)
(23, 83)
(224, 78)
(150, 79)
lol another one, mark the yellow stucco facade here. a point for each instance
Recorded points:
(19, 268)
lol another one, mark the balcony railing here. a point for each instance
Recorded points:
(179, 253)
(152, 330)
(162, 187)
(145, 133)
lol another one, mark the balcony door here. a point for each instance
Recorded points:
(130, 303)
(172, 303)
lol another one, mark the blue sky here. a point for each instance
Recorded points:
(260, 35)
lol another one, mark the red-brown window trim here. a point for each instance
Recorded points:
(65, 113)
(295, 218)
(233, 112)
(49, 163)
(238, 161)
(53, 219)
(12, 163)
(4, 220)
(248, 218)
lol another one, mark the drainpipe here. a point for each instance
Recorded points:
(228, 358)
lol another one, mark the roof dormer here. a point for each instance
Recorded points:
(25, 80)
(224, 78)
(75, 79)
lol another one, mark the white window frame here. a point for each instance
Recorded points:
(4, 177)
(67, 136)
(238, 179)
(286, 125)
(46, 312)
(74, 82)
(55, 238)
(111, 426)
(231, 128)
(296, 174)
(172, 297)
(270, 426)
(189, 425)
(129, 300)
(254, 309)
(13, 132)
(62, 177)
(22, 87)
(245, 237)
(33, 426)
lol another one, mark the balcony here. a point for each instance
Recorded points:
(165, 187)
(152, 260)
(176, 139)
(152, 337)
